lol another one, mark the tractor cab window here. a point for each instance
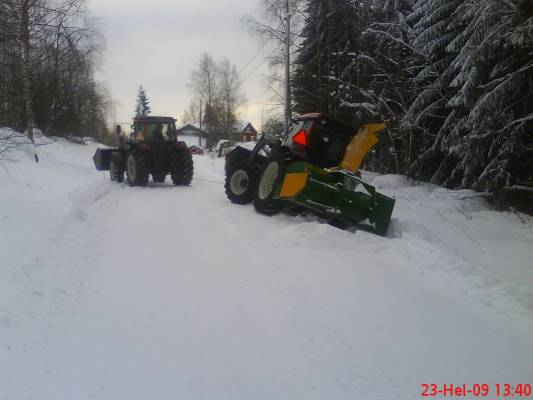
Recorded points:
(154, 131)
(327, 145)
(326, 140)
(295, 128)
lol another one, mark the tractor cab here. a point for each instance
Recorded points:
(327, 143)
(153, 129)
(319, 139)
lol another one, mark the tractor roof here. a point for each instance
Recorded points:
(155, 119)
(312, 116)
(337, 125)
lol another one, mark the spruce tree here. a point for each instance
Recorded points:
(382, 76)
(142, 108)
(452, 78)
(475, 106)
(332, 28)
(428, 117)
(353, 65)
(494, 79)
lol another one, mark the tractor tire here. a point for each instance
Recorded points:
(182, 168)
(159, 178)
(136, 171)
(269, 180)
(116, 169)
(241, 182)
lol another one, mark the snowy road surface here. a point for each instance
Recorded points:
(111, 292)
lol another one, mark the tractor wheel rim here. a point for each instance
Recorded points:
(132, 168)
(239, 182)
(267, 180)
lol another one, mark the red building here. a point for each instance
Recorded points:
(249, 133)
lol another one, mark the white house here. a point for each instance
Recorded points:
(192, 135)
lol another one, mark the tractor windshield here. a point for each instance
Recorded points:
(327, 145)
(154, 131)
(325, 141)
(296, 127)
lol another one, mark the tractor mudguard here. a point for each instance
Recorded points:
(337, 194)
(102, 158)
(236, 156)
(240, 155)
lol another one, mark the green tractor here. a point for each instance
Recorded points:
(151, 149)
(315, 166)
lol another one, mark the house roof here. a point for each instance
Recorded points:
(243, 126)
(152, 118)
(239, 126)
(191, 129)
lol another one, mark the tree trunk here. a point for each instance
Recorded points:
(288, 100)
(26, 67)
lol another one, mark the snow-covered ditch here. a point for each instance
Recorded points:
(111, 292)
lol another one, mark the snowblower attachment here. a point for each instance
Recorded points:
(339, 194)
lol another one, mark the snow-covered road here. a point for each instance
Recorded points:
(111, 292)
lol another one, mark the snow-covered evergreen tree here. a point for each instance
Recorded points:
(331, 35)
(475, 105)
(384, 76)
(494, 78)
(452, 78)
(428, 117)
(142, 108)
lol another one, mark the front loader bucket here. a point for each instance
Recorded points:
(338, 195)
(102, 158)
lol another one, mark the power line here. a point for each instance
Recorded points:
(253, 57)
(258, 66)
(256, 54)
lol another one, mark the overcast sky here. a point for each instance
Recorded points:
(157, 43)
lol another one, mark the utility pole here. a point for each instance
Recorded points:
(288, 114)
(201, 114)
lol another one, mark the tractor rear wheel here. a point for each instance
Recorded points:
(270, 179)
(115, 168)
(136, 169)
(182, 168)
(240, 183)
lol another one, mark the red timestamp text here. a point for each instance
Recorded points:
(506, 390)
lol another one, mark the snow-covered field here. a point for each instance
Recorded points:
(111, 292)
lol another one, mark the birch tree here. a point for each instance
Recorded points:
(49, 51)
(217, 87)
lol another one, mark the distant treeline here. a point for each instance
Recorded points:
(48, 54)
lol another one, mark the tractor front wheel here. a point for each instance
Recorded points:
(240, 183)
(136, 169)
(264, 201)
